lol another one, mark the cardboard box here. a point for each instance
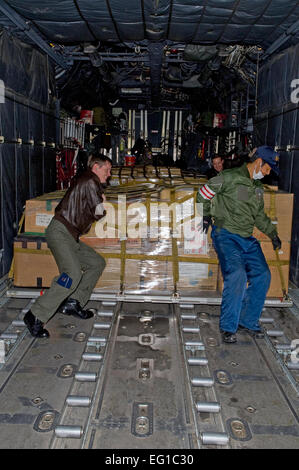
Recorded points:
(39, 212)
(35, 266)
(110, 279)
(196, 276)
(279, 207)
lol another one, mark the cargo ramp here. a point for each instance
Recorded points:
(148, 375)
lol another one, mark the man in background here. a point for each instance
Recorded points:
(217, 166)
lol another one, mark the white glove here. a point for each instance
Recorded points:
(99, 209)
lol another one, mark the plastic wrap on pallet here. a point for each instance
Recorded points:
(152, 242)
(150, 238)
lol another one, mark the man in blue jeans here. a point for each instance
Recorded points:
(233, 203)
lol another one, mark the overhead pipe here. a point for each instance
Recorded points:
(31, 34)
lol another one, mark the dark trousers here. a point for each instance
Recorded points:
(79, 266)
(242, 261)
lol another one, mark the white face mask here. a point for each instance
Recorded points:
(257, 175)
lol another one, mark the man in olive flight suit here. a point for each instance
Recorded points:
(79, 265)
(233, 203)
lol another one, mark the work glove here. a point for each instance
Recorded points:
(276, 242)
(206, 222)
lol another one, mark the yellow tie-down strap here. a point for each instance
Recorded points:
(279, 263)
(147, 193)
(11, 269)
(271, 212)
(123, 256)
(174, 259)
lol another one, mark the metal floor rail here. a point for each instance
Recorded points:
(202, 298)
(147, 375)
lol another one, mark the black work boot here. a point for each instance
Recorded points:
(35, 326)
(258, 334)
(72, 307)
(228, 337)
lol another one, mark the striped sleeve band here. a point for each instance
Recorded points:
(206, 192)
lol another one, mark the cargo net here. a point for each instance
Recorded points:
(151, 239)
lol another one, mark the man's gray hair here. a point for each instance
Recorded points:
(98, 158)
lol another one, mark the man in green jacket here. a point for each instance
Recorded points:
(233, 202)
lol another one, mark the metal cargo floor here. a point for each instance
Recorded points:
(144, 375)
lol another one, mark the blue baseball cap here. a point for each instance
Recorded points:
(270, 156)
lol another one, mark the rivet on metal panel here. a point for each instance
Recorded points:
(46, 421)
(142, 425)
(145, 368)
(234, 364)
(223, 377)
(37, 400)
(146, 339)
(80, 337)
(212, 342)
(250, 409)
(146, 316)
(204, 317)
(66, 370)
(142, 419)
(239, 429)
(144, 374)
(70, 326)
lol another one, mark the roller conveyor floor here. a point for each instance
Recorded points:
(148, 375)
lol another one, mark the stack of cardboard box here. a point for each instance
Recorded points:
(159, 255)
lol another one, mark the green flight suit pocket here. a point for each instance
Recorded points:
(242, 193)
